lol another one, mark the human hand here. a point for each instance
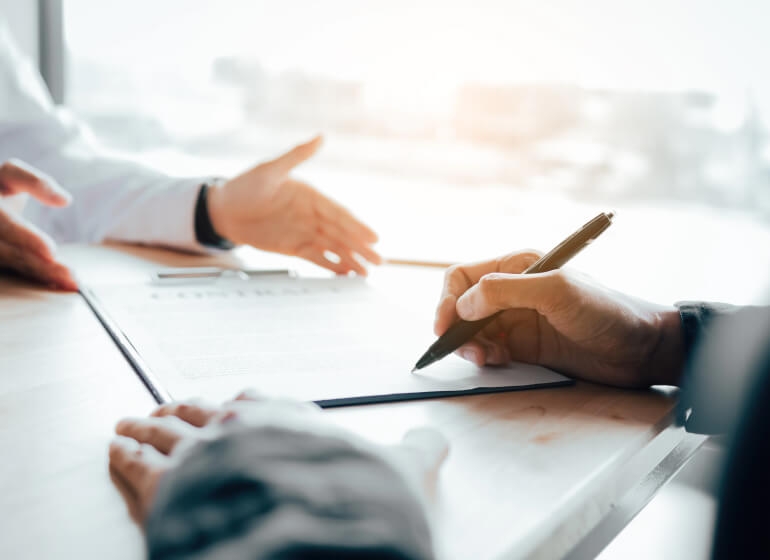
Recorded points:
(23, 247)
(562, 320)
(269, 210)
(147, 448)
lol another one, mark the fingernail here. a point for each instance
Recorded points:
(470, 354)
(229, 416)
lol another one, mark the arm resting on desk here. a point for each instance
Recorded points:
(725, 345)
(274, 493)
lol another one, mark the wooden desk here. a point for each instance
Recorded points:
(529, 473)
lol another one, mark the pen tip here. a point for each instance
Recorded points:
(414, 369)
(611, 214)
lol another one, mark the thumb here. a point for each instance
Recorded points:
(497, 291)
(291, 159)
(426, 449)
(19, 177)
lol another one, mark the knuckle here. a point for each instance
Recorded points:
(134, 464)
(489, 287)
(559, 279)
(115, 451)
(246, 395)
(9, 166)
(183, 409)
(160, 411)
(227, 416)
(451, 272)
(530, 252)
(518, 261)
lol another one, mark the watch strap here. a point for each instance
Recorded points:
(204, 229)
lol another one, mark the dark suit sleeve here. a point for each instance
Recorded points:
(723, 343)
(270, 493)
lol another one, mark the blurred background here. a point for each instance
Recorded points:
(618, 101)
(463, 129)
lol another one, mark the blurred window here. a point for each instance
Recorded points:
(544, 111)
(606, 99)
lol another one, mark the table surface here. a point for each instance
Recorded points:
(529, 473)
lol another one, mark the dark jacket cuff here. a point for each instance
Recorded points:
(697, 409)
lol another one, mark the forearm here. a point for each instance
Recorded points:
(113, 199)
(269, 492)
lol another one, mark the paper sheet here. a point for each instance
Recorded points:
(329, 340)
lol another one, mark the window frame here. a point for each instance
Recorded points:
(51, 61)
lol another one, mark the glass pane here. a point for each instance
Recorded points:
(561, 105)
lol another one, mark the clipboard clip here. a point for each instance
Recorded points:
(207, 273)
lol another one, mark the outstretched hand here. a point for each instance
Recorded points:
(23, 247)
(563, 320)
(267, 209)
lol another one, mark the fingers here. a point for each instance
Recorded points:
(140, 467)
(446, 314)
(343, 229)
(192, 412)
(421, 453)
(18, 177)
(474, 352)
(163, 433)
(250, 398)
(485, 351)
(346, 257)
(14, 230)
(333, 213)
(428, 447)
(282, 165)
(32, 266)
(496, 291)
(459, 278)
(519, 261)
(317, 255)
(351, 243)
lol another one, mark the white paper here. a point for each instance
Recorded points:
(313, 339)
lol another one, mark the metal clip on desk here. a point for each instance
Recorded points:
(184, 275)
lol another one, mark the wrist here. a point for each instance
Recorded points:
(209, 218)
(668, 356)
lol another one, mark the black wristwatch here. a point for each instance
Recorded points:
(204, 230)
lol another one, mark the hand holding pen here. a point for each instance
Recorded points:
(560, 319)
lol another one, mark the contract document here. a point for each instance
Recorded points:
(335, 341)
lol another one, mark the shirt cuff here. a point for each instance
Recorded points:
(166, 217)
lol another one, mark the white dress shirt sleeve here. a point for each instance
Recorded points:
(114, 199)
